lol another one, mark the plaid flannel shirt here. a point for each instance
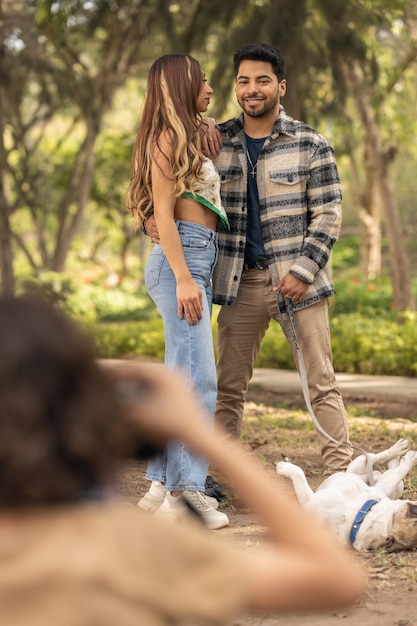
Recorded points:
(300, 207)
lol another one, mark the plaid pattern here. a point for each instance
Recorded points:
(300, 207)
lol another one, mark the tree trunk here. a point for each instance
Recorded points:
(370, 252)
(7, 283)
(370, 217)
(78, 194)
(382, 192)
(6, 256)
(399, 259)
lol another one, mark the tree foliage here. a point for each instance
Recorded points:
(64, 64)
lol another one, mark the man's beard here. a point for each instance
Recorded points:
(268, 106)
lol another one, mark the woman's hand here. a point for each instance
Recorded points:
(190, 300)
(211, 139)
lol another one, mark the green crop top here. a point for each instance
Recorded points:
(207, 191)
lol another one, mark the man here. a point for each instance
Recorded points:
(281, 191)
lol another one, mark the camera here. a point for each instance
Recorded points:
(131, 392)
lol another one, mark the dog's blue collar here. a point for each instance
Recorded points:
(365, 508)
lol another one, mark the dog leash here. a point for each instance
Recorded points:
(306, 392)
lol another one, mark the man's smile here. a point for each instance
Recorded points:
(253, 100)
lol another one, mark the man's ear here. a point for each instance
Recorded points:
(282, 87)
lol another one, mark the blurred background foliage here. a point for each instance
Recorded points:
(72, 80)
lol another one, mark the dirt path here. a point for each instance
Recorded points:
(273, 433)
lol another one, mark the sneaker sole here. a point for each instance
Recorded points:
(171, 516)
(179, 516)
(216, 525)
(213, 520)
(148, 504)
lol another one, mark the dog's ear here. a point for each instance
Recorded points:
(412, 509)
(392, 545)
(389, 543)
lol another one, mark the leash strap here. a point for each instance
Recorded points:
(359, 519)
(306, 393)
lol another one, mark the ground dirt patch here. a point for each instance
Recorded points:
(273, 433)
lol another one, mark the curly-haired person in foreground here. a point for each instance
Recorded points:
(72, 554)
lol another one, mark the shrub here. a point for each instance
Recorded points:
(370, 298)
(128, 339)
(275, 351)
(360, 344)
(367, 337)
(89, 301)
(368, 346)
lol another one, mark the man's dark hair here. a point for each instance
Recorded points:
(261, 52)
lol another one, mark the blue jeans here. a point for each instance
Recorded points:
(187, 347)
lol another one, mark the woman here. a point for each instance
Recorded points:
(172, 177)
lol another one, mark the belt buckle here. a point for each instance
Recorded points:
(262, 264)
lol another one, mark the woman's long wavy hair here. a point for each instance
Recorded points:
(170, 107)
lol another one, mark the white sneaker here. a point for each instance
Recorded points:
(153, 499)
(174, 508)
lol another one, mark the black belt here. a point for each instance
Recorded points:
(261, 264)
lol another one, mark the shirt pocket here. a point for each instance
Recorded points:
(287, 193)
(229, 174)
(291, 177)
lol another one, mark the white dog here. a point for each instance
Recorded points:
(366, 516)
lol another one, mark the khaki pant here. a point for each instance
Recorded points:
(241, 328)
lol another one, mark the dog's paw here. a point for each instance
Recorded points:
(399, 448)
(411, 458)
(285, 468)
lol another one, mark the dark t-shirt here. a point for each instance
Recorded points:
(254, 249)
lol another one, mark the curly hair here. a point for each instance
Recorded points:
(170, 108)
(61, 432)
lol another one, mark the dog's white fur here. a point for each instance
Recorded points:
(391, 522)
